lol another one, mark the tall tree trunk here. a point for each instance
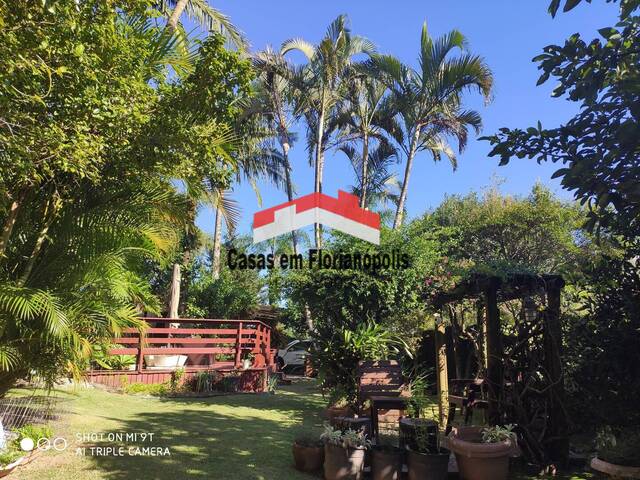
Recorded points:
(365, 165)
(10, 221)
(172, 23)
(287, 173)
(49, 215)
(308, 318)
(319, 166)
(397, 223)
(217, 245)
(174, 300)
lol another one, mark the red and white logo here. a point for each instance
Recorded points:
(342, 213)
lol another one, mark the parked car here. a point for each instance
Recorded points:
(293, 355)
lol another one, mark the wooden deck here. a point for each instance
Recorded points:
(208, 344)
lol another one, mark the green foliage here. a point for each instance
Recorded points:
(9, 456)
(347, 439)
(499, 433)
(345, 298)
(102, 359)
(205, 382)
(34, 432)
(499, 234)
(336, 355)
(598, 148)
(156, 390)
(272, 383)
(428, 101)
(601, 335)
(89, 160)
(233, 295)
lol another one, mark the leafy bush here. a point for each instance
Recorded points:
(34, 432)
(158, 389)
(9, 456)
(204, 382)
(336, 355)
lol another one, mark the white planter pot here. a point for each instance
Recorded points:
(165, 361)
(246, 364)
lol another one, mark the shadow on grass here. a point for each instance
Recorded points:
(229, 437)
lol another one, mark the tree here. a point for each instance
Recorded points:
(319, 86)
(538, 233)
(273, 101)
(599, 152)
(205, 108)
(599, 148)
(234, 294)
(429, 100)
(380, 182)
(207, 16)
(361, 117)
(88, 174)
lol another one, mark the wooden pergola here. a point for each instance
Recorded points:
(489, 291)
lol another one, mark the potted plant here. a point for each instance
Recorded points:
(618, 452)
(386, 460)
(344, 454)
(483, 453)
(416, 406)
(338, 405)
(426, 458)
(308, 452)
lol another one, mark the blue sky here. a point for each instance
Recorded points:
(506, 33)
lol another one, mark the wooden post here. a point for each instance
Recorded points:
(482, 338)
(140, 359)
(558, 427)
(442, 376)
(174, 297)
(239, 346)
(495, 375)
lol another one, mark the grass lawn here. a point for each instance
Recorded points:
(226, 437)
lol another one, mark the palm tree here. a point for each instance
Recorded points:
(273, 100)
(319, 85)
(203, 13)
(362, 117)
(83, 282)
(381, 182)
(254, 160)
(428, 100)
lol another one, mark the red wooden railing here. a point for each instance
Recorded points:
(198, 337)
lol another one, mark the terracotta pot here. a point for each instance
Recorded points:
(477, 460)
(434, 466)
(308, 458)
(408, 432)
(343, 463)
(386, 463)
(613, 470)
(332, 413)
